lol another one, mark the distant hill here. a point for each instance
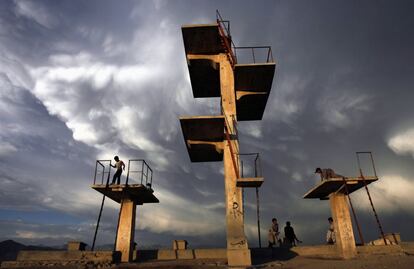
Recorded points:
(9, 249)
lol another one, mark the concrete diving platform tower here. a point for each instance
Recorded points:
(243, 90)
(336, 190)
(137, 190)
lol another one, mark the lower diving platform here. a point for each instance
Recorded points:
(138, 193)
(204, 137)
(337, 185)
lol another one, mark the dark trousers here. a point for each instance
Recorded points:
(117, 177)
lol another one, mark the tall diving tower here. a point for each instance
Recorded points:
(243, 90)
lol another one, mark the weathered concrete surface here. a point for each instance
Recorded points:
(203, 136)
(250, 182)
(202, 39)
(238, 253)
(380, 250)
(41, 255)
(76, 245)
(126, 229)
(204, 75)
(408, 247)
(169, 254)
(137, 192)
(179, 244)
(326, 187)
(253, 83)
(344, 234)
(76, 259)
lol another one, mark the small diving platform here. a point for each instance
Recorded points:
(253, 83)
(204, 137)
(250, 182)
(138, 193)
(334, 185)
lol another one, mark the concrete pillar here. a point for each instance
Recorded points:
(126, 229)
(238, 253)
(345, 241)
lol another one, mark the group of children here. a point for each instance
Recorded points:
(289, 239)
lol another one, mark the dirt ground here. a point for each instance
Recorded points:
(369, 262)
(298, 262)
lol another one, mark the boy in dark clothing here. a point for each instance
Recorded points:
(290, 236)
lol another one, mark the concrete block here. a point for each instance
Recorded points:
(212, 253)
(166, 254)
(379, 250)
(41, 255)
(179, 244)
(394, 238)
(187, 254)
(239, 257)
(76, 245)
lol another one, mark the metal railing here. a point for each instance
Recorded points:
(251, 163)
(225, 24)
(139, 172)
(224, 31)
(259, 54)
(367, 190)
(102, 167)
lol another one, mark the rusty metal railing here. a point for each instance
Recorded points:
(259, 54)
(224, 31)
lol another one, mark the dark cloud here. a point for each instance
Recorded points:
(86, 80)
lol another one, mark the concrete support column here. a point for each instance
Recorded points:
(345, 241)
(126, 230)
(238, 253)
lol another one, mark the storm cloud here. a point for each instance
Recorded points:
(87, 80)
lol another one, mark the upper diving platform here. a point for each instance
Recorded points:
(253, 83)
(202, 39)
(333, 185)
(204, 136)
(137, 185)
(202, 42)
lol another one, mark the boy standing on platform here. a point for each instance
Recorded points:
(119, 165)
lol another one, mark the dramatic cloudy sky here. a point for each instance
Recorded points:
(85, 80)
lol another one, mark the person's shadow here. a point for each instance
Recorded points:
(265, 255)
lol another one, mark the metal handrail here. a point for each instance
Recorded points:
(145, 171)
(367, 190)
(102, 165)
(224, 31)
(269, 57)
(257, 164)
